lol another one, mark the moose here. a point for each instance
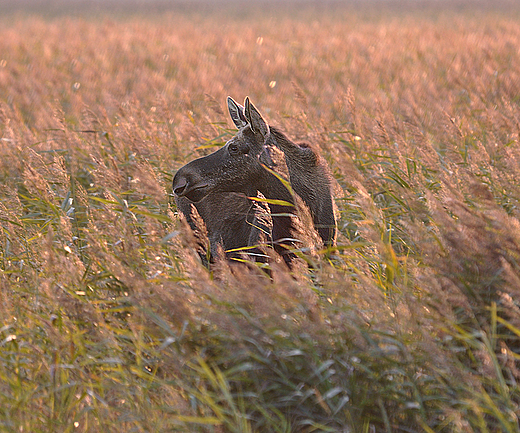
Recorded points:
(224, 186)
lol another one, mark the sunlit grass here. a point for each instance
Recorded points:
(108, 320)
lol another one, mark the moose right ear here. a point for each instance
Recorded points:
(236, 111)
(255, 119)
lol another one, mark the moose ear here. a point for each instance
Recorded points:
(236, 111)
(255, 119)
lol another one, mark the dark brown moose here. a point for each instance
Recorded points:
(221, 185)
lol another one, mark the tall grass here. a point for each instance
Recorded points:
(108, 320)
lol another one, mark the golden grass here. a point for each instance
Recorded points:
(109, 322)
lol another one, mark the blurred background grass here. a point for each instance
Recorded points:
(107, 319)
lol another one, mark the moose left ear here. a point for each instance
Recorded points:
(255, 119)
(236, 111)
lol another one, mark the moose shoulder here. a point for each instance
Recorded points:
(220, 185)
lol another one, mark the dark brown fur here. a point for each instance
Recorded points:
(219, 185)
(310, 179)
(240, 223)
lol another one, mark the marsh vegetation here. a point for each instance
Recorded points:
(109, 321)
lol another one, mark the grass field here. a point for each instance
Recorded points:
(108, 320)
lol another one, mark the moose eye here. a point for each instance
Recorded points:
(233, 148)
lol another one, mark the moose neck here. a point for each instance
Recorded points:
(283, 222)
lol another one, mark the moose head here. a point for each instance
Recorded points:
(239, 166)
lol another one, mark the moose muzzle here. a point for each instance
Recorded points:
(188, 184)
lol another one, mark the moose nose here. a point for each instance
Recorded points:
(180, 186)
